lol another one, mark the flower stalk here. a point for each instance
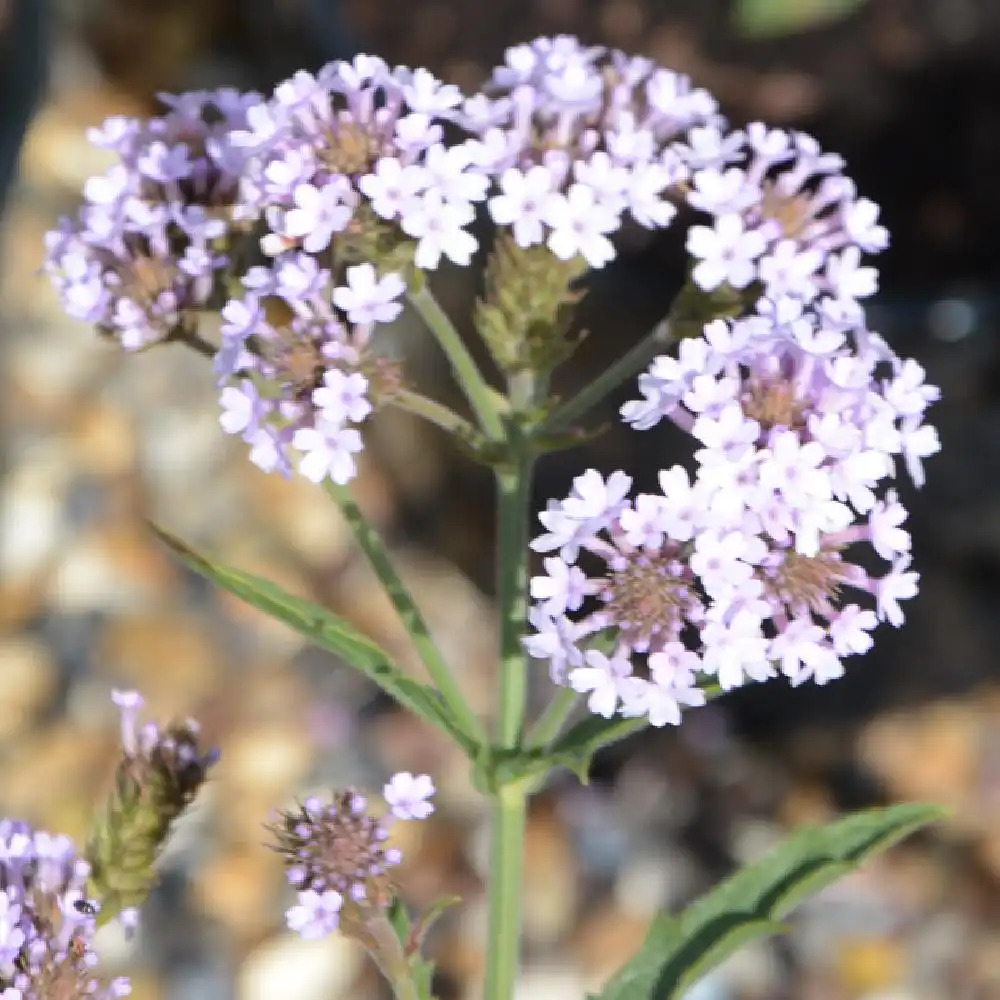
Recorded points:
(406, 607)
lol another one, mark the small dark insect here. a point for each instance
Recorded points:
(86, 906)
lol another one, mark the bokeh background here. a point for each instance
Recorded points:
(96, 445)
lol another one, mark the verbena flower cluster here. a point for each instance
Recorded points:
(337, 854)
(754, 565)
(351, 166)
(153, 244)
(306, 217)
(47, 923)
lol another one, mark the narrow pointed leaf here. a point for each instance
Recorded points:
(330, 632)
(680, 950)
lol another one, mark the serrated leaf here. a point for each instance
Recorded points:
(679, 950)
(774, 18)
(329, 631)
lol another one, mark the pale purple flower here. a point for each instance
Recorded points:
(394, 189)
(522, 203)
(899, 584)
(727, 253)
(407, 795)
(319, 212)
(736, 650)
(343, 397)
(130, 703)
(601, 679)
(848, 279)
(316, 914)
(328, 452)
(562, 589)
(368, 298)
(439, 228)
(580, 225)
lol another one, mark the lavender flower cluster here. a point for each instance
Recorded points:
(337, 855)
(564, 141)
(149, 249)
(47, 923)
(753, 565)
(329, 197)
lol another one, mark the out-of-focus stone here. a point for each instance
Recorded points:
(28, 680)
(302, 516)
(931, 754)
(170, 657)
(103, 440)
(56, 149)
(118, 570)
(71, 768)
(239, 888)
(548, 983)
(268, 760)
(551, 877)
(31, 525)
(605, 939)
(293, 969)
(865, 965)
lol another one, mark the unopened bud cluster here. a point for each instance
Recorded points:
(157, 778)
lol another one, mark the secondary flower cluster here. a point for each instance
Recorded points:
(740, 571)
(337, 856)
(575, 137)
(359, 134)
(305, 382)
(150, 247)
(47, 922)
(353, 165)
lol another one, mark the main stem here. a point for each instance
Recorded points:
(506, 875)
(510, 801)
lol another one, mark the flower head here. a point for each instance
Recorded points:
(337, 855)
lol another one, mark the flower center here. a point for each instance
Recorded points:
(773, 403)
(649, 598)
(804, 583)
(352, 149)
(793, 213)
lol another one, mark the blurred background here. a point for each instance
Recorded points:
(96, 444)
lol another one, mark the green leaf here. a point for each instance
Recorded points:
(679, 950)
(426, 921)
(774, 18)
(399, 917)
(330, 632)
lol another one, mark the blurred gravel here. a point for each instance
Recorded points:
(98, 445)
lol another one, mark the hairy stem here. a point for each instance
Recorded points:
(381, 562)
(438, 414)
(510, 801)
(657, 340)
(550, 723)
(506, 874)
(481, 397)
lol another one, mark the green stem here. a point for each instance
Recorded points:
(438, 414)
(655, 342)
(386, 951)
(550, 723)
(381, 562)
(514, 489)
(506, 874)
(481, 397)
(510, 801)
